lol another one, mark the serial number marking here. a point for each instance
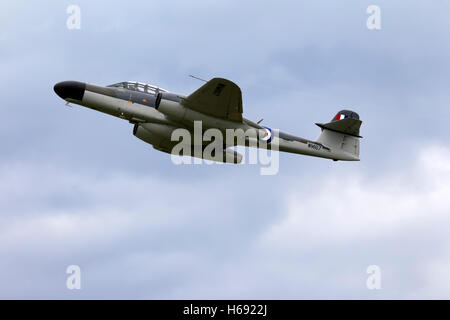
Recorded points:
(314, 146)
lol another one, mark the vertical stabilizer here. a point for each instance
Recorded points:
(342, 133)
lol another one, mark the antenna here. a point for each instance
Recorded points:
(197, 78)
(259, 121)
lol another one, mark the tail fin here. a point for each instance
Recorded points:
(342, 133)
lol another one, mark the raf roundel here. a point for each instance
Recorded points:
(268, 135)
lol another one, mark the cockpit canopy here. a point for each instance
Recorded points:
(138, 86)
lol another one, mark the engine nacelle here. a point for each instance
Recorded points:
(172, 109)
(159, 135)
(156, 134)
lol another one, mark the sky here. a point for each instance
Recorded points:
(77, 188)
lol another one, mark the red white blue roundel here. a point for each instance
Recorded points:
(267, 135)
(341, 116)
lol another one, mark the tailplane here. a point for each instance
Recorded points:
(342, 133)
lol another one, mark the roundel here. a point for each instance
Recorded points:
(267, 135)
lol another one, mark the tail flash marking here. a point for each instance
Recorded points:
(341, 116)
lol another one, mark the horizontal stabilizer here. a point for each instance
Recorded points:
(345, 121)
(347, 126)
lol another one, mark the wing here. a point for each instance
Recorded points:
(219, 98)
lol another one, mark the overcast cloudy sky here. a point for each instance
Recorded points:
(77, 188)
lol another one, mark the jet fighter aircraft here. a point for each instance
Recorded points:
(156, 113)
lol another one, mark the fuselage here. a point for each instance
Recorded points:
(159, 112)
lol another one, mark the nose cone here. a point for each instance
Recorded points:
(70, 90)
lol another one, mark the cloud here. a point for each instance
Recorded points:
(348, 206)
(389, 215)
(143, 237)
